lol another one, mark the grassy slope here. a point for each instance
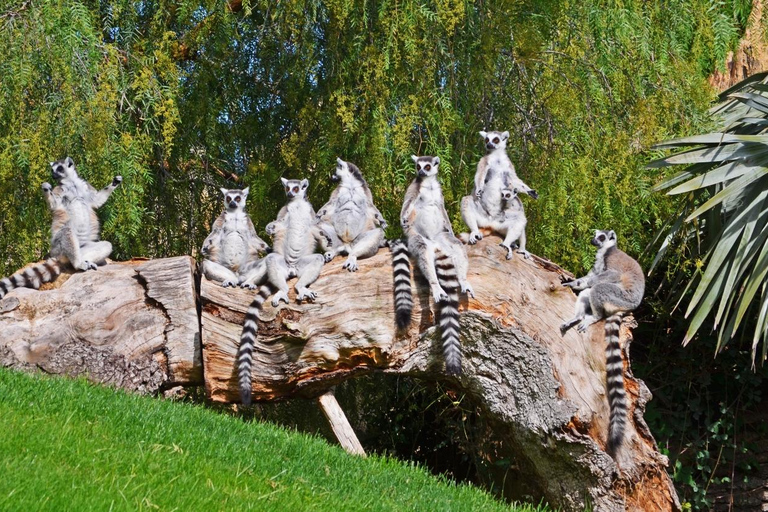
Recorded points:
(70, 445)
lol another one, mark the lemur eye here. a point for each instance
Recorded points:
(427, 167)
(601, 238)
(487, 140)
(495, 140)
(229, 199)
(237, 199)
(287, 189)
(295, 190)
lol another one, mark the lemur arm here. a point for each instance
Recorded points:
(255, 243)
(513, 181)
(480, 174)
(100, 197)
(377, 216)
(272, 227)
(447, 222)
(328, 208)
(50, 196)
(213, 239)
(408, 204)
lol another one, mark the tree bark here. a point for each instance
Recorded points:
(544, 392)
(133, 325)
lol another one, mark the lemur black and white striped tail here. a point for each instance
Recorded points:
(31, 277)
(247, 342)
(617, 397)
(448, 313)
(401, 269)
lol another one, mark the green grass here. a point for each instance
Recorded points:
(70, 445)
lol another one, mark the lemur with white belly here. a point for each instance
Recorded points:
(295, 238)
(486, 207)
(440, 256)
(74, 230)
(349, 218)
(233, 245)
(614, 286)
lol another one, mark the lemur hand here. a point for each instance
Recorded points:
(478, 192)
(117, 180)
(533, 194)
(271, 229)
(47, 187)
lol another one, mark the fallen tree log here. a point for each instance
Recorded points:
(544, 392)
(133, 325)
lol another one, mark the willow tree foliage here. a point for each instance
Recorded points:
(181, 97)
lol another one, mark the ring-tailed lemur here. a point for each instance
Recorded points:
(485, 208)
(350, 219)
(74, 230)
(295, 237)
(510, 224)
(440, 256)
(614, 286)
(233, 245)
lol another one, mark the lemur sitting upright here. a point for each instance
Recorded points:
(74, 230)
(485, 208)
(440, 256)
(295, 237)
(233, 245)
(349, 218)
(614, 286)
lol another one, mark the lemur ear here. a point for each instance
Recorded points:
(436, 160)
(505, 136)
(483, 134)
(285, 181)
(304, 184)
(70, 162)
(612, 235)
(339, 161)
(223, 191)
(245, 191)
(53, 163)
(414, 158)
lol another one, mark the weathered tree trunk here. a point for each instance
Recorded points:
(545, 393)
(133, 325)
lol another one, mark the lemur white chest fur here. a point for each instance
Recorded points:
(429, 206)
(297, 240)
(234, 246)
(500, 170)
(350, 217)
(76, 196)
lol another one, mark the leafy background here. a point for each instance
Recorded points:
(181, 97)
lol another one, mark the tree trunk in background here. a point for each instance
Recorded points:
(133, 325)
(545, 393)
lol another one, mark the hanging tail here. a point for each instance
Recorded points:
(448, 313)
(617, 397)
(401, 269)
(247, 341)
(31, 277)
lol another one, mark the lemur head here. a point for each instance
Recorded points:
(509, 194)
(495, 140)
(604, 239)
(234, 199)
(295, 188)
(346, 170)
(426, 165)
(63, 169)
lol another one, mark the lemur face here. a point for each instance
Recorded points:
(604, 239)
(495, 140)
(295, 188)
(62, 169)
(426, 165)
(234, 199)
(342, 170)
(509, 194)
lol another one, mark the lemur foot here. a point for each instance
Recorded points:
(351, 264)
(467, 288)
(88, 265)
(509, 250)
(117, 180)
(248, 286)
(281, 295)
(475, 237)
(228, 283)
(328, 256)
(439, 294)
(525, 254)
(305, 294)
